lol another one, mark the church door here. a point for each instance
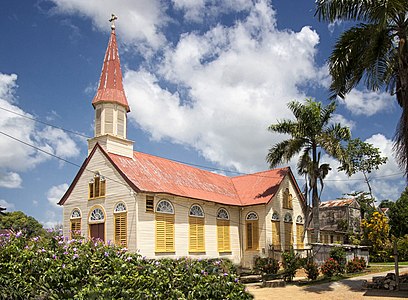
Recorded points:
(98, 231)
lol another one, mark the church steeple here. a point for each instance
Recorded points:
(110, 104)
(110, 84)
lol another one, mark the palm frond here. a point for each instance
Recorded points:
(284, 151)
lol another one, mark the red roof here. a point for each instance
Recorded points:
(148, 173)
(158, 175)
(110, 84)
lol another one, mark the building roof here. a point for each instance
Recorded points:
(153, 174)
(110, 87)
(337, 203)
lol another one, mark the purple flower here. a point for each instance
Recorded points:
(18, 234)
(129, 258)
(106, 254)
(225, 274)
(54, 256)
(63, 266)
(60, 242)
(75, 256)
(36, 238)
(157, 263)
(65, 253)
(43, 250)
(236, 279)
(75, 249)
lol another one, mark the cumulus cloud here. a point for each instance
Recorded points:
(336, 118)
(10, 180)
(386, 183)
(55, 193)
(367, 103)
(199, 10)
(232, 83)
(15, 156)
(144, 18)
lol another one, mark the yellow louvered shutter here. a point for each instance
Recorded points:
(276, 241)
(75, 228)
(299, 235)
(164, 233)
(121, 229)
(196, 234)
(288, 235)
(252, 235)
(223, 235)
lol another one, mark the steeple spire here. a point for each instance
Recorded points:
(110, 84)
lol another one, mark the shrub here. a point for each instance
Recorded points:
(357, 264)
(311, 269)
(330, 267)
(339, 255)
(267, 265)
(56, 268)
(291, 263)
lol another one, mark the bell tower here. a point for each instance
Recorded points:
(111, 105)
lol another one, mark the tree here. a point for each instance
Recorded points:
(362, 157)
(18, 221)
(366, 203)
(398, 216)
(375, 232)
(375, 50)
(310, 134)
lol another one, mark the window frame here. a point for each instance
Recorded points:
(252, 231)
(196, 231)
(165, 221)
(118, 216)
(223, 231)
(97, 187)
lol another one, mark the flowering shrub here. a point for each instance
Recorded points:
(357, 264)
(339, 255)
(267, 265)
(291, 263)
(56, 268)
(330, 267)
(311, 269)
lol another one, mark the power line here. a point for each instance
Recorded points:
(198, 165)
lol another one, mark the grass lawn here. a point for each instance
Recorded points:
(401, 263)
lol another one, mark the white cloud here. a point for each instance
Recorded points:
(367, 103)
(198, 10)
(334, 24)
(336, 118)
(10, 180)
(52, 219)
(139, 21)
(232, 83)
(55, 193)
(15, 155)
(7, 205)
(386, 183)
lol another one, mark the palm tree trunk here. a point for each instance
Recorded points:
(315, 197)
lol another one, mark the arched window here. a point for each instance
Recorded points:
(223, 230)
(120, 221)
(252, 231)
(299, 232)
(276, 239)
(164, 226)
(288, 225)
(97, 186)
(75, 225)
(97, 223)
(196, 229)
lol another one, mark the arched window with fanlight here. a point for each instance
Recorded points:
(276, 238)
(120, 222)
(223, 231)
(96, 222)
(97, 186)
(288, 225)
(252, 231)
(299, 232)
(75, 226)
(196, 229)
(164, 226)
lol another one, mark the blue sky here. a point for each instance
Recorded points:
(203, 79)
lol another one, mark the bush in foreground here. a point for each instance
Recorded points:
(330, 267)
(311, 269)
(267, 265)
(357, 264)
(55, 268)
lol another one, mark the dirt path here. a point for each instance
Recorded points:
(350, 289)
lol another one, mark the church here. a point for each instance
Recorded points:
(163, 208)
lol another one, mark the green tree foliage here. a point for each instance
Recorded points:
(311, 133)
(362, 157)
(398, 216)
(366, 203)
(54, 268)
(375, 51)
(18, 221)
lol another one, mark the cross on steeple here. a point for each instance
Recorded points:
(112, 20)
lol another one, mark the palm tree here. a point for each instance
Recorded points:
(310, 133)
(375, 50)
